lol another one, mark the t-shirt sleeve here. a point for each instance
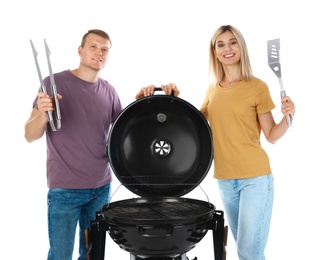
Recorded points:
(263, 100)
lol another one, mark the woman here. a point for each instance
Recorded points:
(238, 106)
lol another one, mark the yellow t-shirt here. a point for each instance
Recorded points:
(232, 114)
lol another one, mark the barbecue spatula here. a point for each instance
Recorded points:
(274, 64)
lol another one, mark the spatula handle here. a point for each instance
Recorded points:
(288, 117)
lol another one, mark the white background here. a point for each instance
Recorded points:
(157, 42)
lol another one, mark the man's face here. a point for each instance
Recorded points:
(95, 52)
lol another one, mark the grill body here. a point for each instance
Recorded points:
(160, 148)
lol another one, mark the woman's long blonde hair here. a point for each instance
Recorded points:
(216, 70)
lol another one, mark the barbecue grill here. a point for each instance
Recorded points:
(160, 148)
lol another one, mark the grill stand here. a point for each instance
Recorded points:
(181, 257)
(96, 238)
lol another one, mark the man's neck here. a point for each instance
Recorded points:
(86, 75)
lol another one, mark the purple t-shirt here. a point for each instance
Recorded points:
(76, 155)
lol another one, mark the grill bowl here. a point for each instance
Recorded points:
(158, 226)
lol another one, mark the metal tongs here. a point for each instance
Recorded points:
(57, 112)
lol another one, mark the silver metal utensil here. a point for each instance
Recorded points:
(57, 112)
(274, 64)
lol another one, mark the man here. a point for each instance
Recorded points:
(78, 172)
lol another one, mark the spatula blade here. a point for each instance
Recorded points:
(274, 56)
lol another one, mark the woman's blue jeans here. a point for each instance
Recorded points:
(248, 206)
(67, 208)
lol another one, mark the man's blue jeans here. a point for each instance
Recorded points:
(67, 208)
(248, 205)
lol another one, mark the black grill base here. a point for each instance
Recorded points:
(97, 237)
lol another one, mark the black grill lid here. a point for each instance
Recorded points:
(160, 146)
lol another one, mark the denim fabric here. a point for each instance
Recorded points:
(248, 206)
(67, 208)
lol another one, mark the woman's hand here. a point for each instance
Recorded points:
(169, 88)
(288, 107)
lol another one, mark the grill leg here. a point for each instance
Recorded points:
(97, 240)
(220, 235)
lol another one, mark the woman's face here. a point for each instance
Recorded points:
(227, 49)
